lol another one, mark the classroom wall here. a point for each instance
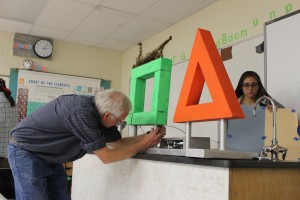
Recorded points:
(229, 21)
(68, 58)
(224, 19)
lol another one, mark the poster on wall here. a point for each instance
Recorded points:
(34, 89)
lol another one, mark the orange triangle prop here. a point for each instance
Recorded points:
(206, 65)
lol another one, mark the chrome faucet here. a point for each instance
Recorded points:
(275, 149)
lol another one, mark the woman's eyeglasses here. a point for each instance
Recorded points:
(248, 85)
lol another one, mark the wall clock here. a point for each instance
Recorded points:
(43, 48)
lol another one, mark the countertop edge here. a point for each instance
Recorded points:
(215, 162)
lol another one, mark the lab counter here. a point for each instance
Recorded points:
(149, 177)
(232, 163)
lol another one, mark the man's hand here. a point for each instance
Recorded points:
(128, 147)
(154, 136)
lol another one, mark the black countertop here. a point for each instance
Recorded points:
(227, 163)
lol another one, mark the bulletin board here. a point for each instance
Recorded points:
(32, 89)
(282, 59)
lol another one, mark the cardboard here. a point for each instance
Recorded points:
(286, 129)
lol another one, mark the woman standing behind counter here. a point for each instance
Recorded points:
(250, 88)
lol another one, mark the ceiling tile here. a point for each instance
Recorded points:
(180, 9)
(64, 14)
(111, 24)
(14, 26)
(92, 2)
(132, 6)
(139, 29)
(49, 32)
(22, 11)
(83, 39)
(97, 22)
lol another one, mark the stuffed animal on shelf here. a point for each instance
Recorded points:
(27, 64)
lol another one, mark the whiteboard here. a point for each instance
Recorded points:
(244, 58)
(282, 59)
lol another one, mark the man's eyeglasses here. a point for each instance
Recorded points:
(248, 85)
(119, 121)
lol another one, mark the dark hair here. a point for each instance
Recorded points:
(7, 93)
(261, 90)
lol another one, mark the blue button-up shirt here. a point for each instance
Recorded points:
(64, 129)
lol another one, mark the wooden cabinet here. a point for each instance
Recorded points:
(269, 183)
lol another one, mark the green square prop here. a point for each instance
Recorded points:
(160, 70)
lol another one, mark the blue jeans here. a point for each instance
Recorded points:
(35, 178)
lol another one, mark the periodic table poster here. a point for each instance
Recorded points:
(34, 89)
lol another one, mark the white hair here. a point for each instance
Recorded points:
(112, 101)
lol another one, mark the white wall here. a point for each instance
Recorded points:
(68, 58)
(225, 17)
